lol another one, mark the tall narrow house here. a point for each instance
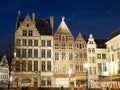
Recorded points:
(33, 46)
(63, 55)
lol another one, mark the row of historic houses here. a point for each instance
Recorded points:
(47, 59)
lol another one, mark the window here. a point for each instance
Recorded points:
(29, 42)
(48, 65)
(35, 42)
(64, 68)
(89, 49)
(23, 52)
(93, 49)
(49, 82)
(118, 54)
(43, 43)
(17, 66)
(59, 38)
(23, 65)
(36, 53)
(70, 46)
(56, 46)
(49, 43)
(48, 53)
(63, 46)
(43, 66)
(94, 70)
(77, 67)
(30, 33)
(81, 66)
(80, 54)
(112, 57)
(29, 65)
(35, 65)
(56, 56)
(99, 56)
(70, 56)
(63, 56)
(90, 70)
(43, 82)
(43, 53)
(99, 67)
(104, 56)
(24, 32)
(18, 42)
(24, 42)
(85, 55)
(18, 52)
(63, 38)
(66, 38)
(104, 67)
(29, 52)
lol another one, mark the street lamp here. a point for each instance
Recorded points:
(86, 68)
(70, 71)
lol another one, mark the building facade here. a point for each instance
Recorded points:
(47, 59)
(4, 72)
(33, 46)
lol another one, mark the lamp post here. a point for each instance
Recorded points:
(86, 68)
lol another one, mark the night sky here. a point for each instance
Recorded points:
(97, 17)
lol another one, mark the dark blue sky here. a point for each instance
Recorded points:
(99, 17)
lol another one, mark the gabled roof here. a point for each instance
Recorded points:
(63, 28)
(115, 33)
(100, 43)
(42, 25)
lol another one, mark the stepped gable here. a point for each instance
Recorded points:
(101, 43)
(42, 25)
(115, 33)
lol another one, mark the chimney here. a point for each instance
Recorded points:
(52, 22)
(33, 17)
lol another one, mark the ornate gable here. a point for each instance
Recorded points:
(63, 31)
